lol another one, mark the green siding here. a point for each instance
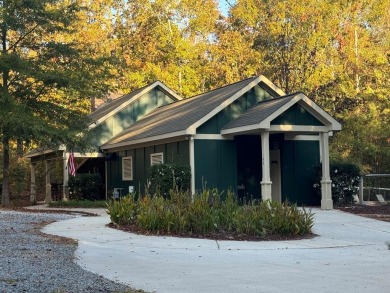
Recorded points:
(130, 114)
(296, 115)
(177, 152)
(249, 99)
(298, 161)
(215, 164)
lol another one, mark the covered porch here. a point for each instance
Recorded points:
(50, 159)
(278, 143)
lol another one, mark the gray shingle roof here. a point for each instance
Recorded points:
(179, 116)
(259, 112)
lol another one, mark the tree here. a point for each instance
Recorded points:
(337, 52)
(43, 89)
(165, 40)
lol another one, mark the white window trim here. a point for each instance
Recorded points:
(155, 155)
(123, 168)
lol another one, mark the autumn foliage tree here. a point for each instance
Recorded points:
(44, 77)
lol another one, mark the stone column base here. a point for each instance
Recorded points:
(326, 195)
(327, 204)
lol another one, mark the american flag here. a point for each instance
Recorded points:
(71, 165)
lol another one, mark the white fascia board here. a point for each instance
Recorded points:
(211, 137)
(301, 137)
(168, 90)
(144, 140)
(272, 86)
(299, 128)
(319, 113)
(125, 104)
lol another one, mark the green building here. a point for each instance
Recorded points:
(248, 136)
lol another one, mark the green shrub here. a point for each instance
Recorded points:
(85, 186)
(122, 211)
(205, 213)
(164, 177)
(345, 181)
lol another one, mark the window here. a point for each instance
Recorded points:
(127, 168)
(156, 159)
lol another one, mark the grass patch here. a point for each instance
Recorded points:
(207, 214)
(79, 204)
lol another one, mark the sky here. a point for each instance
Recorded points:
(224, 7)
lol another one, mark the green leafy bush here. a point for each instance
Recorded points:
(123, 211)
(345, 181)
(164, 177)
(205, 213)
(85, 186)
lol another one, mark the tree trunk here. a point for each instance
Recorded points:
(5, 199)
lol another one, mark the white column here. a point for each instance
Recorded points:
(33, 187)
(65, 186)
(361, 190)
(192, 163)
(48, 184)
(106, 178)
(326, 183)
(266, 184)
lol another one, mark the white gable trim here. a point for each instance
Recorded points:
(125, 104)
(261, 78)
(308, 105)
(329, 122)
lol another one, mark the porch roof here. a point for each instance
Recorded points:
(261, 115)
(259, 112)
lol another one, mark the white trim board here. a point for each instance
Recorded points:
(211, 137)
(301, 137)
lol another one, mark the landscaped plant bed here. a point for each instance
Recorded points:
(212, 236)
(379, 211)
(210, 215)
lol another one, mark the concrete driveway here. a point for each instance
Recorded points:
(349, 255)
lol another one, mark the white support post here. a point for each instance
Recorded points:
(65, 184)
(361, 190)
(33, 187)
(192, 163)
(48, 184)
(106, 178)
(266, 184)
(326, 183)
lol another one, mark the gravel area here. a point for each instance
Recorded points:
(34, 262)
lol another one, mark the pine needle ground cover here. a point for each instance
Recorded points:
(209, 215)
